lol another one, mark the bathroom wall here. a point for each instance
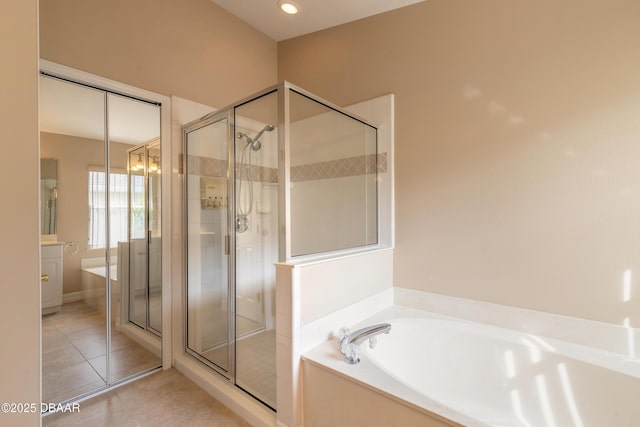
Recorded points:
(19, 183)
(190, 48)
(516, 145)
(75, 155)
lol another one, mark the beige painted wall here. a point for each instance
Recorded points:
(190, 48)
(517, 144)
(20, 289)
(75, 155)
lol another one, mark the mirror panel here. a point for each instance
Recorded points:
(133, 125)
(88, 342)
(74, 339)
(48, 195)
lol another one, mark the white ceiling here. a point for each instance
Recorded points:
(314, 15)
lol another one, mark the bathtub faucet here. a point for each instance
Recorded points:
(350, 341)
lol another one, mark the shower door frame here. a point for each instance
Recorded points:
(229, 240)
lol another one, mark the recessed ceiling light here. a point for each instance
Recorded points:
(288, 7)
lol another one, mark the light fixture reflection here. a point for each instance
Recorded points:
(288, 7)
(155, 164)
(139, 163)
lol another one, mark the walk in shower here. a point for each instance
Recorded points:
(279, 176)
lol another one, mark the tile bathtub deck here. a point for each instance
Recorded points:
(166, 398)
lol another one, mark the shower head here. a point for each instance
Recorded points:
(254, 142)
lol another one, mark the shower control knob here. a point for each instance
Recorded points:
(242, 223)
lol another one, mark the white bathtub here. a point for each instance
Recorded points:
(93, 275)
(102, 271)
(467, 373)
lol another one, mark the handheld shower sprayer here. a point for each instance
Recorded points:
(242, 217)
(255, 141)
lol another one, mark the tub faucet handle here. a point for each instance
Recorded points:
(349, 343)
(343, 334)
(352, 354)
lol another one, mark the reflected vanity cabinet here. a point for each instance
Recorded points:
(51, 277)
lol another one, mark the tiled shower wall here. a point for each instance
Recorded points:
(319, 191)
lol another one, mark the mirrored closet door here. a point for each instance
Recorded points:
(92, 336)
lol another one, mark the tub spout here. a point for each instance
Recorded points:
(350, 341)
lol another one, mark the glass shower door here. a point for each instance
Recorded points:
(209, 331)
(256, 245)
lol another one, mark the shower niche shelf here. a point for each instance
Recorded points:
(213, 193)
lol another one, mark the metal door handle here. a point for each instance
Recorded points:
(44, 277)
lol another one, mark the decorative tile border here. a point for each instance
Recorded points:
(205, 166)
(257, 173)
(350, 166)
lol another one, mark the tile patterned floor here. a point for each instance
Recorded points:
(166, 398)
(74, 357)
(255, 364)
(74, 353)
(139, 308)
